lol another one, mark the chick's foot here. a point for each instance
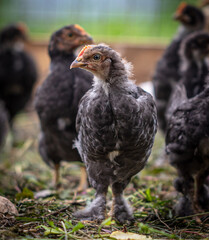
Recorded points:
(121, 211)
(94, 212)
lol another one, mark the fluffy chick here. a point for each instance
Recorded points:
(116, 125)
(18, 72)
(56, 101)
(187, 145)
(167, 70)
(194, 70)
(187, 141)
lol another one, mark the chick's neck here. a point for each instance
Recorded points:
(117, 74)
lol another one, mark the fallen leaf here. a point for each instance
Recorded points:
(128, 236)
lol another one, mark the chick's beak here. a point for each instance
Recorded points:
(89, 39)
(77, 64)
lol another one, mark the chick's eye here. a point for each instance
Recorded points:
(70, 35)
(97, 57)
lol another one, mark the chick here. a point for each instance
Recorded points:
(194, 70)
(187, 141)
(167, 72)
(187, 145)
(116, 125)
(56, 101)
(18, 72)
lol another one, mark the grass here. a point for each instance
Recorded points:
(23, 176)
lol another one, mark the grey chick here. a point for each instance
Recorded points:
(57, 100)
(194, 70)
(187, 143)
(116, 126)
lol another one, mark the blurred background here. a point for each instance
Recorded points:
(138, 29)
(119, 20)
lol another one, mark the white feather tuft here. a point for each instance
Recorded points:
(128, 68)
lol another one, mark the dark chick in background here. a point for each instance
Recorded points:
(187, 138)
(167, 72)
(56, 101)
(116, 125)
(194, 69)
(18, 72)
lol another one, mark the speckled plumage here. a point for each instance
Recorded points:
(187, 135)
(116, 125)
(57, 100)
(167, 72)
(194, 69)
(187, 143)
(18, 72)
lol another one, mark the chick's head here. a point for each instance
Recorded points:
(13, 34)
(69, 38)
(100, 60)
(189, 16)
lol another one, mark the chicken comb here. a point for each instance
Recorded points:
(83, 50)
(80, 28)
(181, 7)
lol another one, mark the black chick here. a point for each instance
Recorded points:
(187, 137)
(187, 143)
(3, 124)
(167, 70)
(18, 72)
(194, 70)
(56, 101)
(116, 125)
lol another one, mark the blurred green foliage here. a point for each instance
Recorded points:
(106, 20)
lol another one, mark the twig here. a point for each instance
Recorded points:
(161, 220)
(56, 212)
(85, 234)
(191, 232)
(191, 216)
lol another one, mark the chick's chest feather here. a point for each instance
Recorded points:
(119, 120)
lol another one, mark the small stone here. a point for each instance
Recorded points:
(6, 207)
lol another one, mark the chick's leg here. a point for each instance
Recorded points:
(121, 211)
(83, 181)
(98, 178)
